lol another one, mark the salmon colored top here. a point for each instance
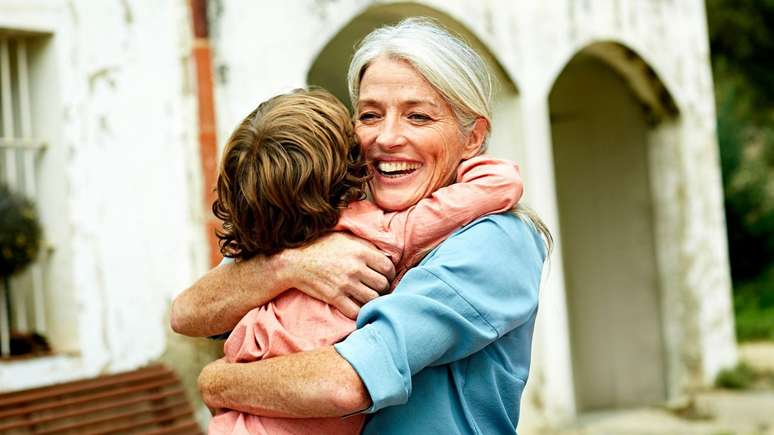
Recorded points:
(295, 322)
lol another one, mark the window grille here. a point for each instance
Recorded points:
(20, 153)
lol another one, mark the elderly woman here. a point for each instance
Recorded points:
(449, 350)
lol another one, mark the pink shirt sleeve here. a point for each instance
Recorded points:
(484, 185)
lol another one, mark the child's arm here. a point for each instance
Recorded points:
(485, 185)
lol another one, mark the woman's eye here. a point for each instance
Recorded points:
(367, 116)
(419, 117)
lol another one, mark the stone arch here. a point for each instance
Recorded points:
(642, 80)
(328, 69)
(608, 110)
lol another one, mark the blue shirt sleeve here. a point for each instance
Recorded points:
(479, 284)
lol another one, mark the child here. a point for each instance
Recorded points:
(291, 172)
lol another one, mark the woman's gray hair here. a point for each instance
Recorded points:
(449, 64)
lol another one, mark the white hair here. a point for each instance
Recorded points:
(449, 64)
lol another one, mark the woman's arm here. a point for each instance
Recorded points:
(318, 383)
(215, 303)
(338, 269)
(479, 284)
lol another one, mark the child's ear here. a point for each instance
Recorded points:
(475, 138)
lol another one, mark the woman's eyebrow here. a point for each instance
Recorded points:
(367, 102)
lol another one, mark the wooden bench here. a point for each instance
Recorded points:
(148, 401)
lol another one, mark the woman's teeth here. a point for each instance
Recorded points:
(396, 169)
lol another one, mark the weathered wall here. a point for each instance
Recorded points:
(120, 183)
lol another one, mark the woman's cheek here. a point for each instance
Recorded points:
(364, 135)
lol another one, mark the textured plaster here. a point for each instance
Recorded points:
(121, 193)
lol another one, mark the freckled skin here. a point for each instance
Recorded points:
(318, 383)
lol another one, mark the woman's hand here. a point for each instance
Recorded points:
(339, 269)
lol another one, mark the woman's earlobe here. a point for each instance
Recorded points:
(476, 137)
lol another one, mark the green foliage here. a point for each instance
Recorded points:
(748, 166)
(742, 40)
(754, 307)
(20, 233)
(755, 324)
(742, 43)
(740, 377)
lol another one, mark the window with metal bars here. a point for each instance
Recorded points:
(22, 301)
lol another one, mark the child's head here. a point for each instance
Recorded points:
(286, 172)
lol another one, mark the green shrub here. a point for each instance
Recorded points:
(754, 308)
(738, 378)
(755, 325)
(20, 233)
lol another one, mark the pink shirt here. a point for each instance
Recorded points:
(295, 322)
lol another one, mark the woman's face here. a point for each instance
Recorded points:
(409, 134)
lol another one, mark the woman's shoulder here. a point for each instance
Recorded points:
(504, 230)
(491, 239)
(495, 263)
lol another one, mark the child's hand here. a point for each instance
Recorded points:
(339, 269)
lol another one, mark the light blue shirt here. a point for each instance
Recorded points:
(448, 351)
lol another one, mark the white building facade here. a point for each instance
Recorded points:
(607, 105)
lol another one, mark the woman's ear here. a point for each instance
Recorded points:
(475, 138)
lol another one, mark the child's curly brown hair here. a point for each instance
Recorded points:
(286, 172)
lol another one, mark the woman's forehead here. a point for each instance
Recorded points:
(391, 79)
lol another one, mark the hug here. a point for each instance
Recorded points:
(380, 275)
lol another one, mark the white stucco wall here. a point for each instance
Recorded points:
(120, 179)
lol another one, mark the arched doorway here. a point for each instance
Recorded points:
(604, 107)
(329, 68)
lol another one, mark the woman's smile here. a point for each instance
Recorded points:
(396, 169)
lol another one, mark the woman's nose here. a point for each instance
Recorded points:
(390, 134)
